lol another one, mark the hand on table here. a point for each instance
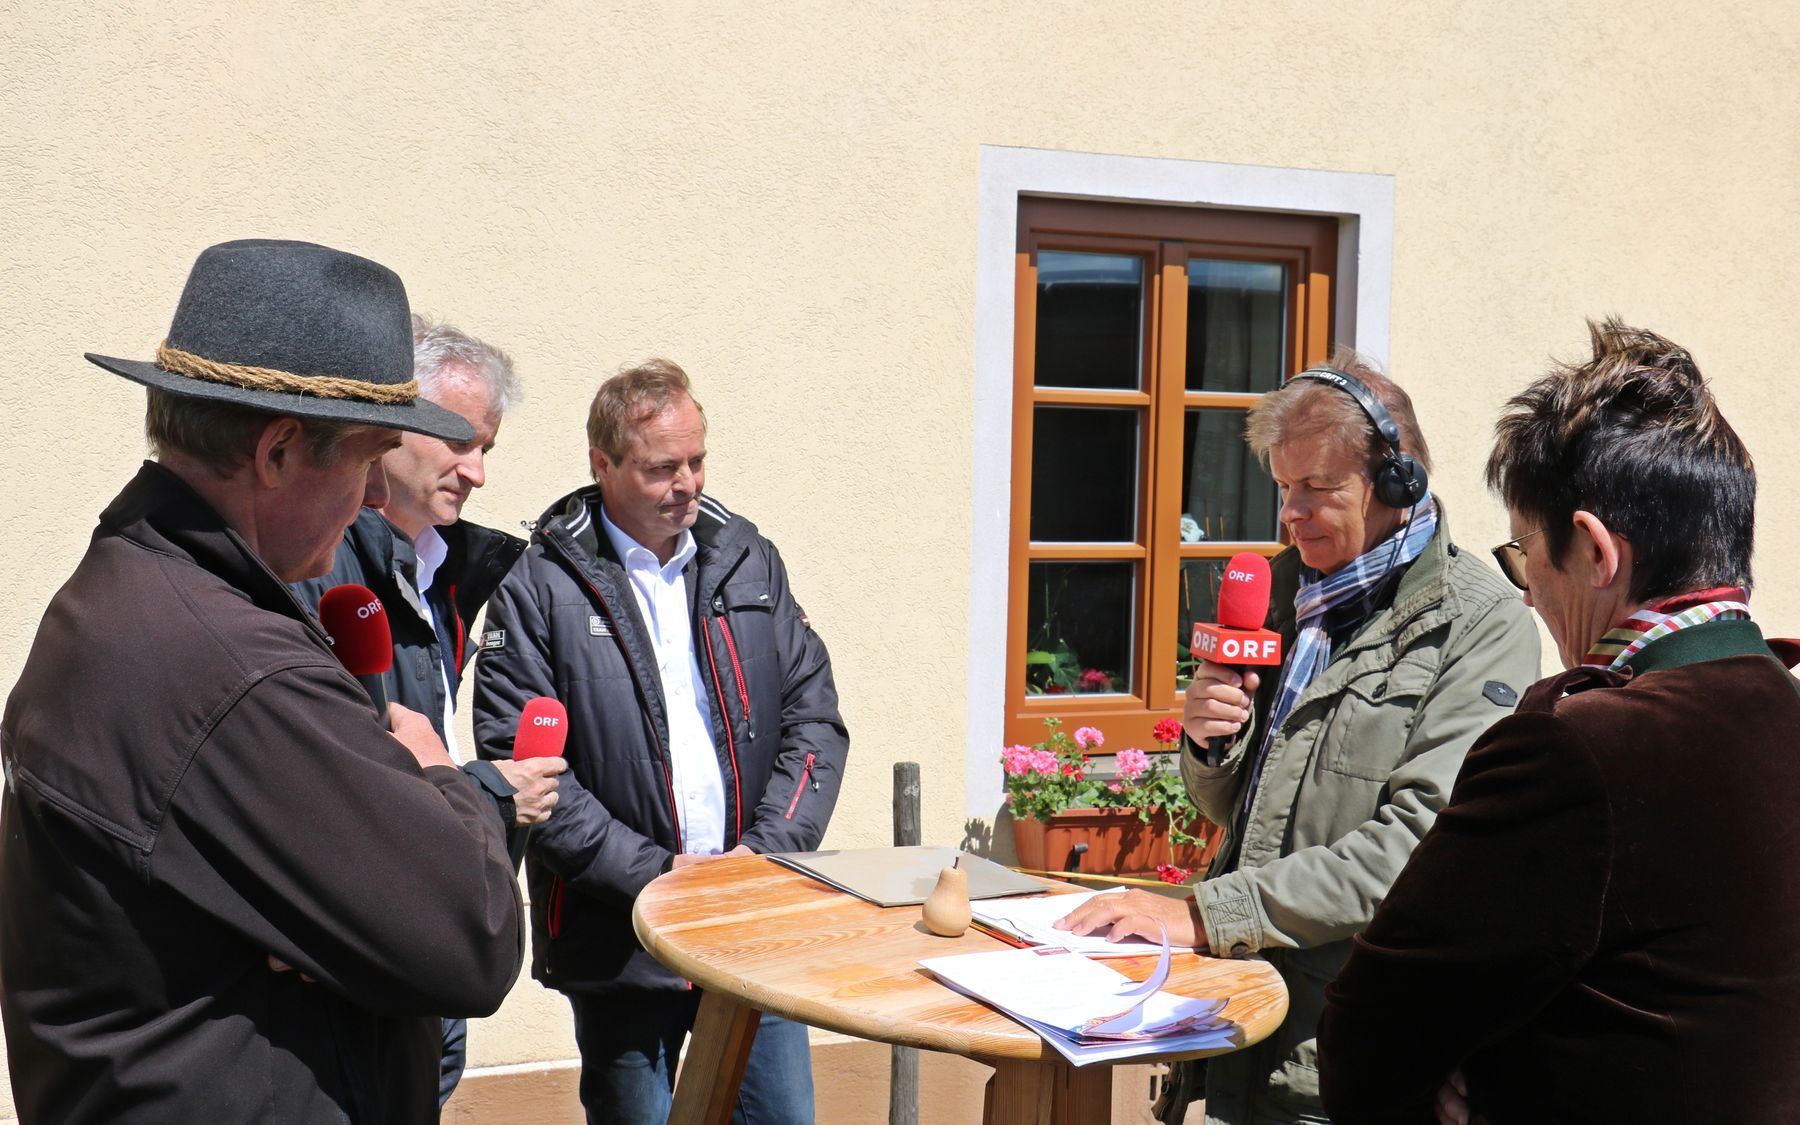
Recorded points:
(1218, 701)
(686, 859)
(1137, 913)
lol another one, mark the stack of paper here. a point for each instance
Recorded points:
(1085, 1010)
(1031, 920)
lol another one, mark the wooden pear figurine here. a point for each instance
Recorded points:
(946, 910)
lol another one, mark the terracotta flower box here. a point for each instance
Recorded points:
(1118, 843)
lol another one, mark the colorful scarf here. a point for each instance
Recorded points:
(1316, 598)
(1658, 619)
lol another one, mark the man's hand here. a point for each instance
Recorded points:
(686, 859)
(536, 782)
(415, 733)
(1218, 701)
(1453, 1100)
(1140, 914)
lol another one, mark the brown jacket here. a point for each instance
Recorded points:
(194, 786)
(1604, 923)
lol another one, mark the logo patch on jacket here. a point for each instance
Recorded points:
(493, 638)
(598, 626)
(1500, 693)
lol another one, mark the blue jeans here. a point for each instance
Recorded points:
(630, 1043)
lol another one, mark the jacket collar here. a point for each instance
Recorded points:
(160, 512)
(478, 558)
(721, 537)
(1709, 640)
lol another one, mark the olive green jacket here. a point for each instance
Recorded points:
(1355, 776)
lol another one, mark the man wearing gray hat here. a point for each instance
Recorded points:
(230, 890)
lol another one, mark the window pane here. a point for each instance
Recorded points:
(1079, 624)
(1084, 474)
(1237, 325)
(1090, 318)
(1224, 492)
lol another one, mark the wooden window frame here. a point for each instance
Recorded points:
(1166, 238)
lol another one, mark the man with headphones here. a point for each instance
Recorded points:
(1399, 650)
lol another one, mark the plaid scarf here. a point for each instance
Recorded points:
(1615, 649)
(1316, 598)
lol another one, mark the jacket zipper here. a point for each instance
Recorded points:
(553, 908)
(737, 672)
(805, 776)
(618, 636)
(737, 790)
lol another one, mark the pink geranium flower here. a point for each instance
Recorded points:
(1089, 739)
(1095, 680)
(1133, 763)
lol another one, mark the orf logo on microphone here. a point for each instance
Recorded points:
(366, 611)
(546, 721)
(1235, 646)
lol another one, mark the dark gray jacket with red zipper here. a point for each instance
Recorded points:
(565, 624)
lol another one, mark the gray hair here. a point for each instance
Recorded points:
(437, 345)
(1301, 408)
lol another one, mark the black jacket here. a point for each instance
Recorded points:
(194, 785)
(375, 555)
(565, 624)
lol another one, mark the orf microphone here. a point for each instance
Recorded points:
(1239, 638)
(357, 624)
(543, 729)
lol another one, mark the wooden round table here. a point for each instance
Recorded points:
(755, 935)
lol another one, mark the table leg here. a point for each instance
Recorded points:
(1047, 1093)
(719, 1046)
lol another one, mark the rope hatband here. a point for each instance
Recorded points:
(269, 379)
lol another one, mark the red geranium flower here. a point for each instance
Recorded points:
(1167, 731)
(1169, 873)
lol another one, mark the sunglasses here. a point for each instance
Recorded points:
(1511, 558)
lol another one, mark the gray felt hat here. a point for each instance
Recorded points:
(299, 329)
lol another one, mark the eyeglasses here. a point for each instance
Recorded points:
(1511, 558)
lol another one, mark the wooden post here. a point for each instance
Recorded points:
(903, 1064)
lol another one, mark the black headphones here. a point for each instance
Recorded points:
(1400, 481)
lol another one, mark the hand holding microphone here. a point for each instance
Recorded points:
(357, 624)
(537, 760)
(1219, 698)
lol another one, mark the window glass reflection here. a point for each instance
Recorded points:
(1237, 325)
(1079, 624)
(1090, 319)
(1225, 494)
(1084, 474)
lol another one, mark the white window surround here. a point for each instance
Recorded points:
(1365, 203)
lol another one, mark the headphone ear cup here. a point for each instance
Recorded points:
(1400, 482)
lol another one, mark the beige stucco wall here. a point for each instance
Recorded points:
(783, 197)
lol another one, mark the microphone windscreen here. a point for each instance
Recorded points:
(1244, 592)
(543, 729)
(357, 624)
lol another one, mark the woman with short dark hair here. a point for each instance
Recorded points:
(1604, 923)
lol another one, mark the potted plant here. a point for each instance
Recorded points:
(1139, 821)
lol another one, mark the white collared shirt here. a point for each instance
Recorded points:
(661, 593)
(432, 551)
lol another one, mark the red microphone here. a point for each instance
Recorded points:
(543, 729)
(357, 624)
(1239, 638)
